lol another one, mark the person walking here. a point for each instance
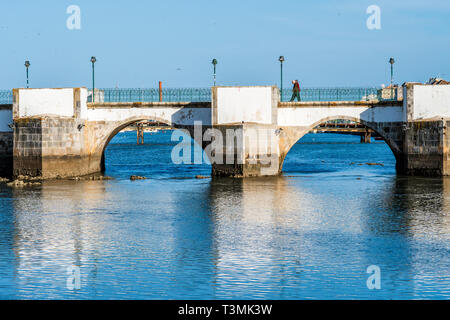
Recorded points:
(295, 91)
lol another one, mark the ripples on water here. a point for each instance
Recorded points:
(311, 233)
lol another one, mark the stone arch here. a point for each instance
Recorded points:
(108, 130)
(116, 127)
(390, 132)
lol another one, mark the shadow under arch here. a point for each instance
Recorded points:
(298, 134)
(119, 126)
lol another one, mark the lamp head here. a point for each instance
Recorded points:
(27, 64)
(214, 61)
(391, 61)
(93, 59)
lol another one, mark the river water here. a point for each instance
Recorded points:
(309, 234)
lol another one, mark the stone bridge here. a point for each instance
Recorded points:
(53, 133)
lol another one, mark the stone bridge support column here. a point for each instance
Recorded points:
(51, 148)
(426, 138)
(248, 150)
(426, 149)
(245, 122)
(49, 140)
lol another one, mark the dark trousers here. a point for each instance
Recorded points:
(296, 94)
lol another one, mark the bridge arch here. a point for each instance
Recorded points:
(294, 134)
(108, 130)
(115, 127)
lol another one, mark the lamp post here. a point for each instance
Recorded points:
(281, 59)
(93, 60)
(214, 62)
(392, 61)
(27, 65)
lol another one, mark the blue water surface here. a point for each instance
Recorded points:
(308, 234)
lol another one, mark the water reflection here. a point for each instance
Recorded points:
(275, 238)
(279, 237)
(55, 226)
(413, 206)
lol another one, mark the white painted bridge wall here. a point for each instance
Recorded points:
(308, 116)
(431, 102)
(38, 102)
(172, 116)
(245, 104)
(60, 103)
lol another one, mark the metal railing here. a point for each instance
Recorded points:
(334, 94)
(153, 95)
(6, 97)
(204, 95)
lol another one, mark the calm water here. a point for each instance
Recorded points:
(309, 234)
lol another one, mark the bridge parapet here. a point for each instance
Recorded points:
(59, 102)
(423, 101)
(371, 104)
(256, 104)
(180, 104)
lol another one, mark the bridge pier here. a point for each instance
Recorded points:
(366, 137)
(426, 149)
(51, 136)
(426, 141)
(246, 118)
(140, 133)
(52, 147)
(249, 150)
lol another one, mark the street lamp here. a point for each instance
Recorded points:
(281, 59)
(27, 65)
(93, 60)
(392, 61)
(214, 62)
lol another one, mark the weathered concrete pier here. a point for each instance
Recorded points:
(52, 133)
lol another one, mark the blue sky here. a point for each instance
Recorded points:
(138, 43)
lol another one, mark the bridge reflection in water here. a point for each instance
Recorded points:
(277, 237)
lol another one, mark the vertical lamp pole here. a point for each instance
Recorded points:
(281, 59)
(27, 65)
(392, 61)
(214, 62)
(93, 60)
